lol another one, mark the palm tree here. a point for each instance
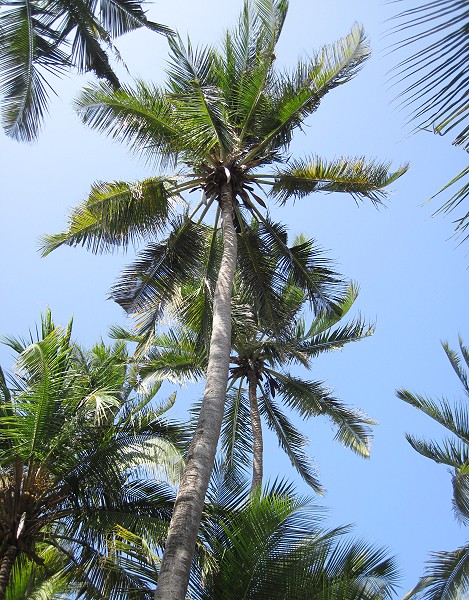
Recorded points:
(35, 37)
(222, 115)
(75, 444)
(437, 71)
(447, 574)
(264, 347)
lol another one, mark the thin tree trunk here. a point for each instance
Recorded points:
(256, 425)
(180, 544)
(6, 564)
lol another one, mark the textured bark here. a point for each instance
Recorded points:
(6, 564)
(180, 543)
(256, 425)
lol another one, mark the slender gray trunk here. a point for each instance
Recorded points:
(256, 425)
(180, 543)
(6, 564)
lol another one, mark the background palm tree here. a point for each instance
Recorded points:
(222, 115)
(437, 74)
(267, 340)
(447, 574)
(38, 39)
(75, 444)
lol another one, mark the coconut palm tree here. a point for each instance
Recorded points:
(226, 118)
(447, 573)
(436, 73)
(35, 38)
(75, 445)
(265, 345)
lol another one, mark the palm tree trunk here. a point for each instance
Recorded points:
(180, 543)
(256, 425)
(6, 564)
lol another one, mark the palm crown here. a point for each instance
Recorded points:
(74, 445)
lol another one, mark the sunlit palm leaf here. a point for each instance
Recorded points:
(117, 214)
(356, 176)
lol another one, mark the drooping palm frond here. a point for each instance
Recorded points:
(39, 40)
(437, 71)
(446, 577)
(435, 76)
(447, 574)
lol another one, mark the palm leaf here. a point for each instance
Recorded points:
(446, 577)
(117, 214)
(356, 176)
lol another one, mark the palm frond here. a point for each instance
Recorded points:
(448, 452)
(140, 117)
(356, 176)
(446, 577)
(236, 432)
(149, 284)
(311, 398)
(437, 90)
(27, 50)
(116, 215)
(290, 440)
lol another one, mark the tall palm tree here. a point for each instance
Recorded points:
(75, 443)
(39, 38)
(222, 115)
(265, 345)
(437, 75)
(447, 574)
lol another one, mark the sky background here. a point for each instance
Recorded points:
(412, 275)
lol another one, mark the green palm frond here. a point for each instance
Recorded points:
(28, 43)
(150, 283)
(291, 440)
(140, 117)
(462, 223)
(199, 105)
(310, 399)
(294, 97)
(458, 365)
(356, 176)
(174, 356)
(446, 577)
(117, 214)
(236, 432)
(437, 90)
(448, 451)
(455, 419)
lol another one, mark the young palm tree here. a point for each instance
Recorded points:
(271, 545)
(437, 75)
(225, 116)
(447, 574)
(74, 446)
(34, 42)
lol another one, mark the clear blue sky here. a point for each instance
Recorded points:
(413, 279)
